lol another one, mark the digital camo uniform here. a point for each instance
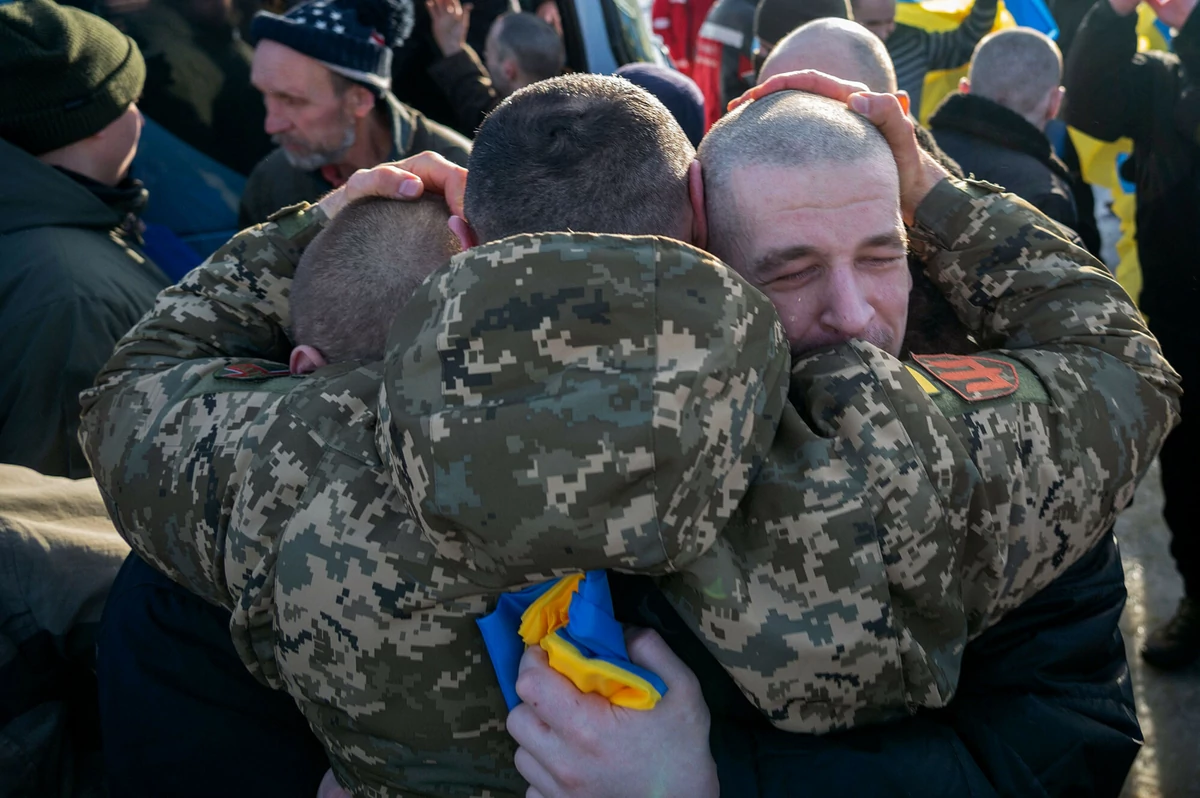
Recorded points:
(560, 402)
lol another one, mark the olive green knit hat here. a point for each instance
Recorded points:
(65, 74)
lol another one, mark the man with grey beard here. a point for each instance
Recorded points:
(324, 70)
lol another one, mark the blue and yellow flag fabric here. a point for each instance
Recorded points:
(572, 620)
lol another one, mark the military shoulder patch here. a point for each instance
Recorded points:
(250, 371)
(976, 382)
(972, 377)
(261, 377)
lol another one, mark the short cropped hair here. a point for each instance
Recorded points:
(785, 129)
(1017, 68)
(361, 269)
(837, 47)
(775, 19)
(536, 46)
(583, 153)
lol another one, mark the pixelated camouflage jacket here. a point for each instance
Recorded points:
(288, 501)
(902, 508)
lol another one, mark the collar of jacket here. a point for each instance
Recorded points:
(127, 199)
(992, 122)
(34, 195)
(403, 126)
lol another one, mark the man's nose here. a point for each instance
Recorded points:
(847, 309)
(275, 122)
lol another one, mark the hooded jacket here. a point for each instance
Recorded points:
(73, 280)
(562, 402)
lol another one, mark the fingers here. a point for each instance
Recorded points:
(440, 176)
(647, 649)
(808, 80)
(524, 725)
(381, 181)
(919, 172)
(886, 113)
(541, 783)
(557, 702)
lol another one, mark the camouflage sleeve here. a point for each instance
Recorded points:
(166, 443)
(896, 518)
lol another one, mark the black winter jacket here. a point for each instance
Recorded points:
(999, 145)
(1114, 91)
(1044, 707)
(73, 280)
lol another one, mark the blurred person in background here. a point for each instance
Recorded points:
(775, 19)
(995, 126)
(678, 22)
(198, 79)
(73, 276)
(521, 49)
(916, 51)
(1114, 91)
(675, 90)
(324, 70)
(738, 35)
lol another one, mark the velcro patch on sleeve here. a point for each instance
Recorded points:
(976, 382)
(260, 377)
(972, 377)
(250, 371)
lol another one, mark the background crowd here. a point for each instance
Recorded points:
(137, 136)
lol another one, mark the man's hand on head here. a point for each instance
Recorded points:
(449, 20)
(919, 172)
(577, 745)
(406, 179)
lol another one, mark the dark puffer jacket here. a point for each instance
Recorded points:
(73, 280)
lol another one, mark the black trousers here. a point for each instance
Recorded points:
(180, 715)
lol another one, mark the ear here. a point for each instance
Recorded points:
(305, 359)
(964, 85)
(1056, 100)
(905, 101)
(463, 232)
(509, 68)
(363, 100)
(696, 195)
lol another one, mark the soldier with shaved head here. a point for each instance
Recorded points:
(995, 126)
(562, 401)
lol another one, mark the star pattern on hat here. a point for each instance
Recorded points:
(339, 28)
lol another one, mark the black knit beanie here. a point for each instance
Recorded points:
(352, 37)
(65, 74)
(774, 19)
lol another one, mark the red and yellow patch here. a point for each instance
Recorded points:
(250, 371)
(973, 378)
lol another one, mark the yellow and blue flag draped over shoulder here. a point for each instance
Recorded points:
(572, 620)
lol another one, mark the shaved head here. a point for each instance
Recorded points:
(787, 129)
(803, 200)
(361, 269)
(1018, 68)
(836, 47)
